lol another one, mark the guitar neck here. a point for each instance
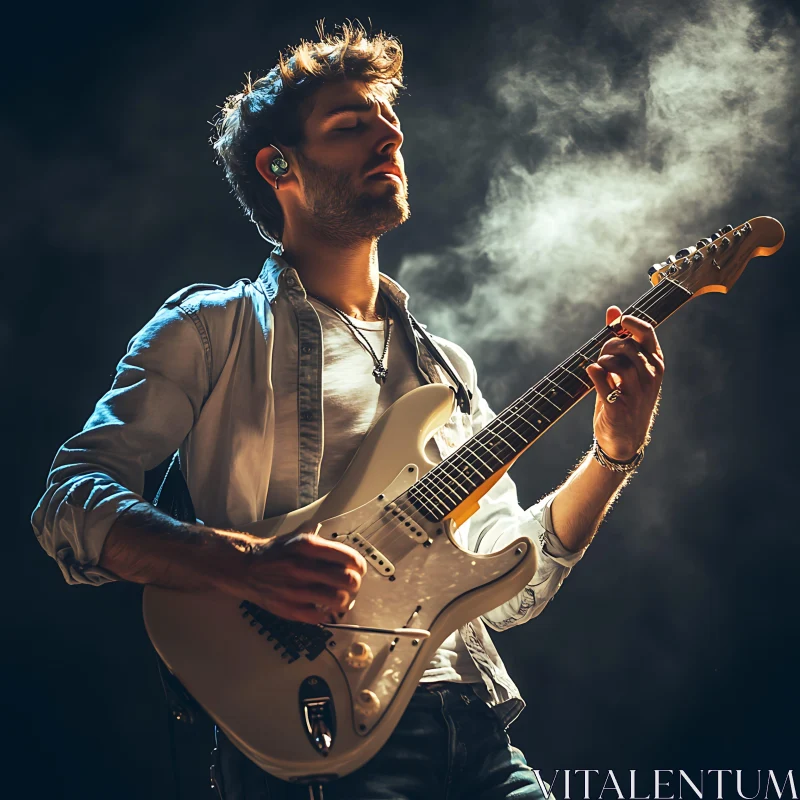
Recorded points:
(462, 474)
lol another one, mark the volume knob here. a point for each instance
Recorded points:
(368, 703)
(359, 656)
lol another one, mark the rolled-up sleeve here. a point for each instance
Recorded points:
(501, 520)
(155, 398)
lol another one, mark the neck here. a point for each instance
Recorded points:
(344, 275)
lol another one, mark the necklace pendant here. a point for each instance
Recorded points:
(380, 372)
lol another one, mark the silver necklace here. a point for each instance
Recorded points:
(380, 370)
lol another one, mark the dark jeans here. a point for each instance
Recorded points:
(448, 745)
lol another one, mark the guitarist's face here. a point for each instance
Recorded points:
(350, 131)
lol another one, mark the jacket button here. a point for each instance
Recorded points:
(306, 348)
(306, 416)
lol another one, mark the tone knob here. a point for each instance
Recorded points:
(368, 703)
(359, 655)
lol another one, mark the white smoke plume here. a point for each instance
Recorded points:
(638, 162)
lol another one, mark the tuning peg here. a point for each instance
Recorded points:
(686, 252)
(704, 242)
(653, 269)
(726, 229)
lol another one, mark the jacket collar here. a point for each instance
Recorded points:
(276, 271)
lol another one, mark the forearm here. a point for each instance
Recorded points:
(582, 502)
(144, 545)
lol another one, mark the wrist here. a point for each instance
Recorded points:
(224, 555)
(613, 462)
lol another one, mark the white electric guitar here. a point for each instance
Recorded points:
(315, 702)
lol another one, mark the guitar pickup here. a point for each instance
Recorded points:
(406, 524)
(374, 557)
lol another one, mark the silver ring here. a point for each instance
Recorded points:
(612, 397)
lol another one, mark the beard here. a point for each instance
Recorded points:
(343, 214)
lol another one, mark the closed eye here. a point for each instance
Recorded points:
(358, 125)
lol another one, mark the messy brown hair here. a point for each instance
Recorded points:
(272, 109)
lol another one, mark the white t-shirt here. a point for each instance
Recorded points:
(352, 402)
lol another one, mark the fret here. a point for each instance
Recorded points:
(518, 416)
(421, 499)
(578, 377)
(559, 388)
(467, 470)
(456, 474)
(502, 421)
(490, 470)
(462, 455)
(447, 485)
(544, 397)
(477, 441)
(634, 311)
(540, 425)
(496, 423)
(541, 418)
(501, 439)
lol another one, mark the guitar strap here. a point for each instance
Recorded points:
(463, 395)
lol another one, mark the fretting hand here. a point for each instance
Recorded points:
(629, 369)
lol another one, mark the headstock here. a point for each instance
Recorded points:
(715, 264)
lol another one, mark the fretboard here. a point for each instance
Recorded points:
(517, 427)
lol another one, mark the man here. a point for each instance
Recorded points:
(267, 389)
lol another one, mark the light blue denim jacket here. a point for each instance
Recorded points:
(198, 377)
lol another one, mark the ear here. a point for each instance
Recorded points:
(264, 158)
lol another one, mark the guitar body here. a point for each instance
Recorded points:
(307, 702)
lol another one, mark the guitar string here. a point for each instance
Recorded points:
(389, 525)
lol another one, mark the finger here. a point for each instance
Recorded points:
(328, 574)
(315, 547)
(613, 313)
(626, 354)
(601, 379)
(644, 333)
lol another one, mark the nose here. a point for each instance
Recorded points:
(391, 137)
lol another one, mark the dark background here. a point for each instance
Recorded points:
(554, 151)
